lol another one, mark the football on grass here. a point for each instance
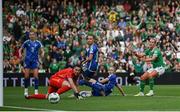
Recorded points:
(53, 98)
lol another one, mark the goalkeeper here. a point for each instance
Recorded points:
(61, 82)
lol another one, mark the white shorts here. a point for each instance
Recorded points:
(160, 70)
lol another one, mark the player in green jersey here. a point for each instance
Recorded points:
(156, 59)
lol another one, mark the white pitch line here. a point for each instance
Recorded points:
(28, 108)
(147, 96)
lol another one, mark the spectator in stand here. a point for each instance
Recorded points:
(69, 20)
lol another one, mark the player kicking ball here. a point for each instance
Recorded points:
(103, 87)
(61, 82)
(158, 69)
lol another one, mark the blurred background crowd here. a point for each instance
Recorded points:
(63, 25)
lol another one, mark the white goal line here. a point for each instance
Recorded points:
(28, 108)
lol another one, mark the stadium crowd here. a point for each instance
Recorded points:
(63, 25)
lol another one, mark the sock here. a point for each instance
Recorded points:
(26, 92)
(26, 82)
(63, 89)
(37, 96)
(36, 83)
(35, 91)
(142, 85)
(151, 83)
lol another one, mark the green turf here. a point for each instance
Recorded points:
(166, 98)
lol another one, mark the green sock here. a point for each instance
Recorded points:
(151, 83)
(142, 85)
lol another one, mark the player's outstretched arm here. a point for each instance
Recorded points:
(139, 55)
(77, 84)
(73, 86)
(20, 52)
(149, 59)
(120, 89)
(87, 59)
(42, 52)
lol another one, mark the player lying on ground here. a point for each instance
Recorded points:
(61, 82)
(104, 87)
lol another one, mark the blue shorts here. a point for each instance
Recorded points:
(96, 92)
(98, 87)
(31, 64)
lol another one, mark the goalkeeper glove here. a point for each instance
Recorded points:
(78, 96)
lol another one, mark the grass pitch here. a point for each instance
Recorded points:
(167, 98)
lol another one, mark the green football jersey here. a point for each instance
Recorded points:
(158, 62)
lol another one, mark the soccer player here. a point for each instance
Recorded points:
(31, 61)
(61, 82)
(156, 58)
(104, 87)
(90, 65)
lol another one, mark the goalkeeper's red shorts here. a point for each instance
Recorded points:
(56, 82)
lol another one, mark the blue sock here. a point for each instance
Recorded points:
(84, 82)
(26, 82)
(36, 83)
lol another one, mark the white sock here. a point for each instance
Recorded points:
(26, 91)
(35, 91)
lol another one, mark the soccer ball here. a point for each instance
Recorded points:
(53, 98)
(85, 94)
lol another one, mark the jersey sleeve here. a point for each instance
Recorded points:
(24, 44)
(92, 49)
(40, 44)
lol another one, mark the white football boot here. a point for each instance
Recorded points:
(150, 93)
(139, 94)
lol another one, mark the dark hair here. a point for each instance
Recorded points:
(77, 65)
(94, 37)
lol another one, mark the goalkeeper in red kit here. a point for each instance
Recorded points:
(61, 82)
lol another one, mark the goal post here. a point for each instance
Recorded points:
(1, 56)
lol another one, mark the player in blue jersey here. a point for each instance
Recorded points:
(90, 65)
(103, 87)
(32, 48)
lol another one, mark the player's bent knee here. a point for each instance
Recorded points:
(92, 81)
(144, 77)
